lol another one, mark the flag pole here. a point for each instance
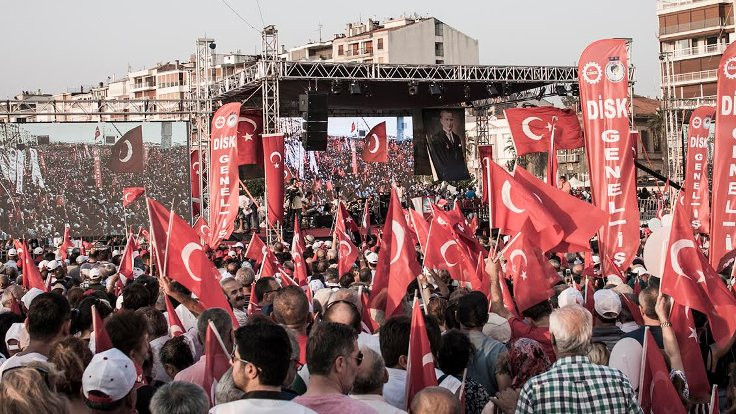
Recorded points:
(643, 364)
(153, 245)
(168, 236)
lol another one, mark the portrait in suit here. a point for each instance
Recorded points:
(446, 144)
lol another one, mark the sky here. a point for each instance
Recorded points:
(59, 45)
(84, 132)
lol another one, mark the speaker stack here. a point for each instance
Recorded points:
(313, 107)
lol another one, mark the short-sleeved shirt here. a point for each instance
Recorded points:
(521, 329)
(482, 368)
(334, 404)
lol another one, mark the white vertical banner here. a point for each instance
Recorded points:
(20, 158)
(36, 176)
(4, 165)
(12, 165)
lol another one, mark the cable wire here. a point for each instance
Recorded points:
(239, 16)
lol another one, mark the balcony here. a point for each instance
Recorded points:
(360, 52)
(698, 51)
(143, 86)
(681, 29)
(692, 77)
(669, 6)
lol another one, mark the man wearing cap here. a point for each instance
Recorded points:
(372, 260)
(607, 308)
(108, 383)
(94, 280)
(12, 258)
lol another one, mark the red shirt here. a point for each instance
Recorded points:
(521, 329)
(302, 339)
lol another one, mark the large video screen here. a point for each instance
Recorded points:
(341, 168)
(53, 174)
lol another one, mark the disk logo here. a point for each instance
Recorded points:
(697, 122)
(219, 122)
(615, 71)
(592, 73)
(729, 68)
(232, 120)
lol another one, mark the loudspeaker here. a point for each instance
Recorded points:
(313, 107)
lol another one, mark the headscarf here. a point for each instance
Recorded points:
(526, 359)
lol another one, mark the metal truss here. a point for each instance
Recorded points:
(200, 139)
(95, 110)
(270, 79)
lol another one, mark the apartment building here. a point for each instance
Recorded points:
(692, 36)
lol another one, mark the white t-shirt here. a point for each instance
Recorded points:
(260, 406)
(19, 360)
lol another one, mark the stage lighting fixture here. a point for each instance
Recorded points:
(213, 45)
(413, 88)
(561, 90)
(355, 88)
(492, 90)
(575, 89)
(466, 92)
(335, 87)
(435, 89)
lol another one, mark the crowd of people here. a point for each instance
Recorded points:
(70, 194)
(288, 353)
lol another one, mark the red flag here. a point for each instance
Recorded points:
(224, 179)
(297, 254)
(656, 392)
(445, 251)
(273, 159)
(352, 127)
(127, 153)
(420, 371)
(567, 210)
(604, 91)
(250, 127)
(480, 274)
(687, 340)
(692, 282)
(176, 328)
(102, 339)
(126, 262)
(15, 306)
(184, 259)
(66, 244)
(368, 320)
(421, 228)
(202, 229)
(589, 292)
(512, 205)
(256, 249)
(130, 194)
(633, 309)
(31, 275)
(532, 129)
(397, 261)
(375, 148)
(347, 252)
(531, 273)
(344, 221)
(723, 214)
(97, 133)
(474, 224)
(485, 152)
(367, 218)
(217, 361)
(714, 408)
(194, 173)
(696, 187)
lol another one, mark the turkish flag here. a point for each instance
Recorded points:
(692, 282)
(588, 295)
(347, 252)
(176, 328)
(97, 133)
(184, 259)
(273, 159)
(31, 275)
(66, 244)
(250, 128)
(656, 392)
(127, 153)
(531, 273)
(368, 320)
(445, 251)
(217, 361)
(567, 211)
(224, 178)
(102, 339)
(256, 249)
(604, 96)
(375, 147)
(367, 218)
(461, 228)
(194, 172)
(126, 263)
(420, 227)
(202, 229)
(397, 260)
(533, 128)
(687, 340)
(697, 198)
(130, 194)
(344, 220)
(512, 205)
(633, 308)
(485, 153)
(297, 253)
(420, 371)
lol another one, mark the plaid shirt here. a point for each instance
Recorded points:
(574, 385)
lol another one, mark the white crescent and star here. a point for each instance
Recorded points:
(201, 230)
(345, 243)
(506, 198)
(399, 234)
(186, 253)
(527, 131)
(126, 197)
(195, 167)
(675, 250)
(443, 251)
(275, 163)
(129, 152)
(512, 256)
(378, 144)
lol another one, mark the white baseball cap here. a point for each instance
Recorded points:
(232, 253)
(12, 252)
(607, 303)
(17, 331)
(116, 252)
(38, 250)
(94, 274)
(30, 295)
(109, 377)
(239, 244)
(52, 265)
(614, 280)
(570, 296)
(81, 259)
(372, 258)
(328, 244)
(42, 264)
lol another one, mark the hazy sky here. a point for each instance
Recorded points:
(59, 45)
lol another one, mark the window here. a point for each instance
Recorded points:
(354, 49)
(340, 50)
(368, 47)
(439, 49)
(438, 28)
(439, 62)
(379, 44)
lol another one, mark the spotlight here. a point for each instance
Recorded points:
(466, 92)
(492, 90)
(575, 89)
(435, 89)
(561, 90)
(335, 87)
(213, 45)
(355, 88)
(413, 88)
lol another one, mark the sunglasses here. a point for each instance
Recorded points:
(358, 358)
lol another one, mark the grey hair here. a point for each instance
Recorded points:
(220, 318)
(245, 275)
(179, 398)
(348, 295)
(572, 327)
(370, 379)
(226, 391)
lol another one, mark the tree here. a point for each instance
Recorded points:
(535, 162)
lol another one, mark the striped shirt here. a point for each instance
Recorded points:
(574, 385)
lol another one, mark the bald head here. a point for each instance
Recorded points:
(433, 400)
(343, 312)
(291, 307)
(372, 373)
